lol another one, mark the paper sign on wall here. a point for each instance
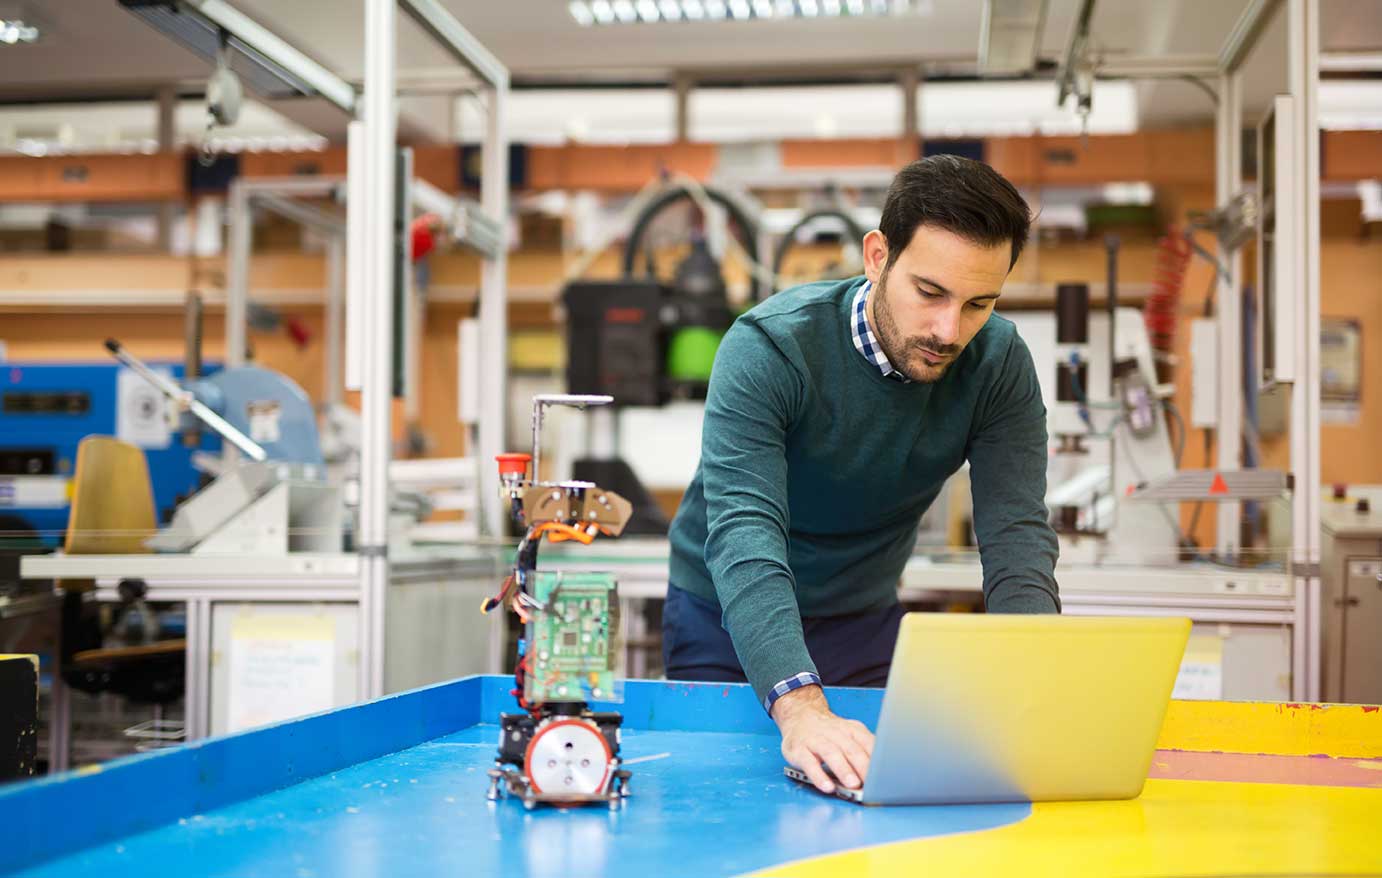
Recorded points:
(141, 411)
(1201, 676)
(281, 667)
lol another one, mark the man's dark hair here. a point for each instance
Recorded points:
(960, 195)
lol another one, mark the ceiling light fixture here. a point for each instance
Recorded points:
(1010, 35)
(16, 31)
(588, 12)
(579, 11)
(603, 12)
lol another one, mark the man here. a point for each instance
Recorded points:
(836, 411)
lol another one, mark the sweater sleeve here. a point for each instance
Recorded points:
(753, 398)
(1007, 458)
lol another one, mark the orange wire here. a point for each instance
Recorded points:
(558, 532)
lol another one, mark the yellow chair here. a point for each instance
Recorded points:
(112, 499)
(113, 514)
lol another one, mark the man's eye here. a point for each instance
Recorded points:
(978, 306)
(928, 294)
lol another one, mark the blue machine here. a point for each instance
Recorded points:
(47, 409)
(268, 408)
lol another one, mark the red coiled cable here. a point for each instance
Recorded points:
(1161, 312)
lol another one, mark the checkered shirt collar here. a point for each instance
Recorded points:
(864, 340)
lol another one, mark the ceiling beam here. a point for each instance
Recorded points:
(1245, 33)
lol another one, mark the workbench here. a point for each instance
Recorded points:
(397, 787)
(1257, 616)
(434, 631)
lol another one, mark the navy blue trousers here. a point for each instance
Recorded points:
(853, 650)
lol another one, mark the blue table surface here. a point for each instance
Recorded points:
(718, 804)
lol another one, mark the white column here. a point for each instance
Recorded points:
(1303, 48)
(377, 338)
(238, 248)
(1228, 178)
(494, 197)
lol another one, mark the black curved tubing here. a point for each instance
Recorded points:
(852, 228)
(678, 193)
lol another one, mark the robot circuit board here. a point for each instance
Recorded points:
(571, 654)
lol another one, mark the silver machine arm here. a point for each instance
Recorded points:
(186, 399)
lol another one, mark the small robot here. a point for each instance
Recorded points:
(557, 750)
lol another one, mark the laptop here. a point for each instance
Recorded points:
(1005, 708)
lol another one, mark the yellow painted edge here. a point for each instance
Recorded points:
(10, 656)
(1176, 827)
(1340, 730)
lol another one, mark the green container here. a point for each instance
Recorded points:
(691, 353)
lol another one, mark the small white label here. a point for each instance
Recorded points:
(1340, 413)
(1365, 569)
(264, 418)
(33, 492)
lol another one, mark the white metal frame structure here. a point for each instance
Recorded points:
(1301, 292)
(465, 223)
(371, 223)
(278, 194)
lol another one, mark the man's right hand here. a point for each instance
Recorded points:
(812, 735)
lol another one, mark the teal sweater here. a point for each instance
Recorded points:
(816, 468)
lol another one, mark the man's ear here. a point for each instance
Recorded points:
(875, 255)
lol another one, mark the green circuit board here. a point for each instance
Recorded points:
(571, 640)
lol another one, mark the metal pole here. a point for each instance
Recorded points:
(682, 83)
(1303, 51)
(357, 253)
(377, 337)
(1111, 244)
(1227, 180)
(335, 319)
(237, 275)
(1311, 135)
(494, 198)
(411, 336)
(167, 110)
(910, 82)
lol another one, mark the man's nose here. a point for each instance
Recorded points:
(947, 327)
